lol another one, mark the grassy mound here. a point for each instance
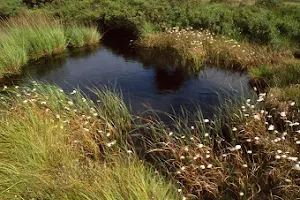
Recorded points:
(31, 36)
(64, 147)
(197, 47)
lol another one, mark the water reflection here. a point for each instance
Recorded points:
(143, 78)
(169, 80)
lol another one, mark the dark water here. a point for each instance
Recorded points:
(143, 79)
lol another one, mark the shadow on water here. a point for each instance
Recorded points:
(144, 76)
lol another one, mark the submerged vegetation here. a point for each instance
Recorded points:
(31, 36)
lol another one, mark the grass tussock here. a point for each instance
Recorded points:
(285, 74)
(31, 36)
(250, 153)
(79, 36)
(285, 94)
(199, 46)
(61, 147)
(64, 146)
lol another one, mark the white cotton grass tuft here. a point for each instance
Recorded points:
(238, 147)
(271, 128)
(110, 144)
(292, 158)
(206, 120)
(283, 114)
(209, 166)
(296, 167)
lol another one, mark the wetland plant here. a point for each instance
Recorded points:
(66, 146)
(33, 35)
(61, 147)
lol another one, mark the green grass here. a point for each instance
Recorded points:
(198, 47)
(31, 36)
(80, 36)
(64, 146)
(281, 75)
(55, 149)
(281, 28)
(14, 53)
(286, 94)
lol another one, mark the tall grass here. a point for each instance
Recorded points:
(79, 36)
(202, 46)
(281, 75)
(14, 53)
(60, 147)
(31, 36)
(250, 152)
(64, 146)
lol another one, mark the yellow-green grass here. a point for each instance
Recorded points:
(286, 94)
(282, 75)
(79, 36)
(33, 35)
(59, 146)
(201, 46)
(63, 146)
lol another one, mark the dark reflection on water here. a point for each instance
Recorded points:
(143, 79)
(169, 79)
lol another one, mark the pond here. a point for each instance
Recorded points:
(144, 81)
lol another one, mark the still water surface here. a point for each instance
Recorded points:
(142, 80)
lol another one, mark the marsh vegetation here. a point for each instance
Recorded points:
(62, 145)
(31, 36)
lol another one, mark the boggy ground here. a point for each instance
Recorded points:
(63, 146)
(201, 46)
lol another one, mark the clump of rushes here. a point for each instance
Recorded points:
(285, 74)
(13, 55)
(79, 36)
(285, 94)
(61, 147)
(198, 46)
(31, 36)
(283, 80)
(253, 153)
(64, 146)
